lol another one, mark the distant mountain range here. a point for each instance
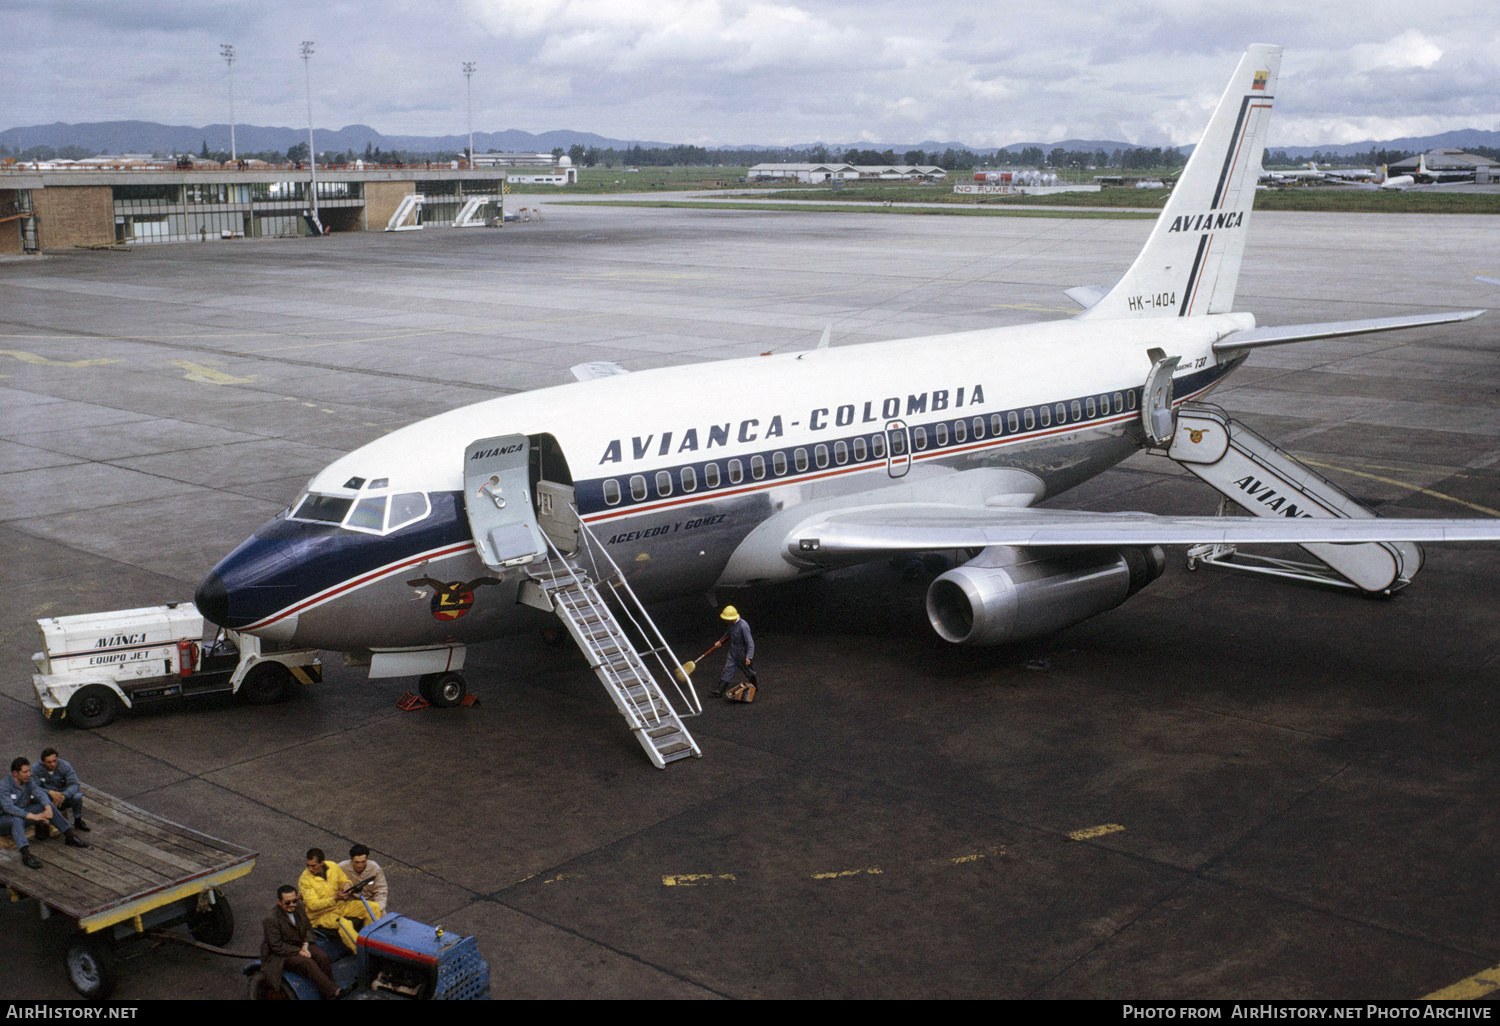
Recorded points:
(150, 137)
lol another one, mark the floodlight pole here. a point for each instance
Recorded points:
(226, 51)
(312, 158)
(469, 86)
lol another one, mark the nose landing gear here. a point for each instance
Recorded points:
(443, 690)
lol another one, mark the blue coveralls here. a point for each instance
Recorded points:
(64, 781)
(741, 651)
(18, 800)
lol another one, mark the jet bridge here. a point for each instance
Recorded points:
(1250, 471)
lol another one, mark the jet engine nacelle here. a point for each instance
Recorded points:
(1007, 593)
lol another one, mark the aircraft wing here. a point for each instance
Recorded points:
(1252, 338)
(597, 369)
(837, 537)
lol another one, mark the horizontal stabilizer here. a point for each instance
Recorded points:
(1255, 337)
(1086, 295)
(920, 528)
(597, 369)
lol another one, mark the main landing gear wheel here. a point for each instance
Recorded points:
(93, 705)
(443, 690)
(91, 968)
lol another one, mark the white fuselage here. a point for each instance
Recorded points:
(692, 477)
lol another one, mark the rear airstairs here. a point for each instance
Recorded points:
(1250, 471)
(563, 583)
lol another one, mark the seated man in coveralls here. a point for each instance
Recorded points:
(22, 802)
(325, 892)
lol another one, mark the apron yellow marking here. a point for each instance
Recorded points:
(1404, 484)
(872, 871)
(1097, 831)
(695, 879)
(42, 361)
(207, 375)
(1476, 986)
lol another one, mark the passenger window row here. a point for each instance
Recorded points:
(863, 448)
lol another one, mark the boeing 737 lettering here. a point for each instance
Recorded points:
(521, 511)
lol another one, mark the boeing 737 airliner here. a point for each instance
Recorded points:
(452, 531)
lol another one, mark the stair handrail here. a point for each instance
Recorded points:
(675, 673)
(643, 717)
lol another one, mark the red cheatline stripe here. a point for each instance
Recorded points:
(356, 582)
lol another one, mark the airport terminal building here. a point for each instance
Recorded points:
(56, 208)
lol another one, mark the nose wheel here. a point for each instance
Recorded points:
(443, 690)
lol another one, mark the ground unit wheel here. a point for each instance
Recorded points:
(91, 968)
(443, 690)
(260, 989)
(266, 684)
(93, 705)
(216, 926)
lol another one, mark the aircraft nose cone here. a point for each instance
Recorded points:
(212, 599)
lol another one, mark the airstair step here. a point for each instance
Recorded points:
(614, 658)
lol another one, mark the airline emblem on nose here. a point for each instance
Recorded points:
(453, 599)
(1197, 435)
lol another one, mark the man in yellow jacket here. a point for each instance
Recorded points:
(325, 896)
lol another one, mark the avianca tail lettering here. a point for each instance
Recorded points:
(441, 534)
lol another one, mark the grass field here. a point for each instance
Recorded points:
(604, 181)
(866, 208)
(601, 180)
(1330, 200)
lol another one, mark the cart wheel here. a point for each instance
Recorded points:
(260, 990)
(91, 968)
(443, 690)
(266, 684)
(93, 705)
(216, 926)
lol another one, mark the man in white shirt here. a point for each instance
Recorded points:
(358, 866)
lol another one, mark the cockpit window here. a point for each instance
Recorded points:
(408, 508)
(378, 513)
(323, 509)
(369, 514)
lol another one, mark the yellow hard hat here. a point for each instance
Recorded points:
(730, 613)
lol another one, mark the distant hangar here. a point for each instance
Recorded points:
(838, 172)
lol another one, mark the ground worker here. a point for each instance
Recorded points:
(741, 649)
(325, 896)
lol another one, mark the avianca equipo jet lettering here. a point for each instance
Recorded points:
(746, 472)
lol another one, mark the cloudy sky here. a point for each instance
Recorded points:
(722, 72)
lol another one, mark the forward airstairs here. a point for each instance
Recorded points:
(564, 584)
(1250, 471)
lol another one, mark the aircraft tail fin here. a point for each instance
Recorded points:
(1191, 263)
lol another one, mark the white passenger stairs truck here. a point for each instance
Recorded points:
(407, 215)
(1250, 471)
(542, 540)
(468, 215)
